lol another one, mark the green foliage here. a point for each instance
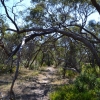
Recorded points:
(70, 74)
(37, 11)
(69, 92)
(86, 79)
(85, 87)
(60, 93)
(6, 69)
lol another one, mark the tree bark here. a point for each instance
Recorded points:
(96, 5)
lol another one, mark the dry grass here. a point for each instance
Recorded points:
(24, 74)
(35, 81)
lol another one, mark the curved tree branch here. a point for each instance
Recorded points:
(84, 41)
(91, 33)
(42, 31)
(96, 5)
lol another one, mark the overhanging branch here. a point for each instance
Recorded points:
(96, 5)
(41, 31)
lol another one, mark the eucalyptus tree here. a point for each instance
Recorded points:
(58, 17)
(65, 15)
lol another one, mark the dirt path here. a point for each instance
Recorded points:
(36, 88)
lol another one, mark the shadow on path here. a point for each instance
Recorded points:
(36, 88)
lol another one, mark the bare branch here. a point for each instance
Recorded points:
(3, 3)
(32, 29)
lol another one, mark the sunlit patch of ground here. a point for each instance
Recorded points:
(33, 84)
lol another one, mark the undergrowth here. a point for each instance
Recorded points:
(85, 87)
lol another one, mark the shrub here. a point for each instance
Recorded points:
(71, 74)
(6, 69)
(68, 73)
(69, 92)
(85, 87)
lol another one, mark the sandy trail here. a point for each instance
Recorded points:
(36, 88)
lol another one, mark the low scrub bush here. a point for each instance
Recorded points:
(4, 69)
(85, 87)
(70, 92)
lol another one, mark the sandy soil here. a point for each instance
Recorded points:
(32, 87)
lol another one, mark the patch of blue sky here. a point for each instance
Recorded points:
(16, 6)
(95, 16)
